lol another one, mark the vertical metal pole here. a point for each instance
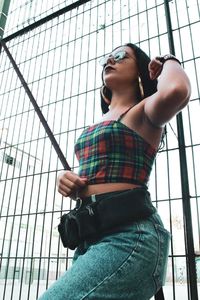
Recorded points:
(4, 7)
(190, 253)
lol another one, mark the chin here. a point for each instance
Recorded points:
(111, 81)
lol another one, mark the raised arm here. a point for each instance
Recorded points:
(173, 91)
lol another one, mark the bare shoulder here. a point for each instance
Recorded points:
(137, 120)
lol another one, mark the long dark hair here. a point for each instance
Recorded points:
(149, 86)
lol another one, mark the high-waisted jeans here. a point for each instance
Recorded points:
(126, 263)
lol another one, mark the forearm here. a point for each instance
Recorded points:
(173, 91)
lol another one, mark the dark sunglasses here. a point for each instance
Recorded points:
(116, 57)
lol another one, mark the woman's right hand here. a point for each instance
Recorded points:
(70, 183)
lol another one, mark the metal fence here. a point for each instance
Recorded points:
(57, 45)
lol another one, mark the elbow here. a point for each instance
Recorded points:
(176, 90)
(180, 94)
(183, 94)
(182, 91)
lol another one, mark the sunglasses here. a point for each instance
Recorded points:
(116, 57)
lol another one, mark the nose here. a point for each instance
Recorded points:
(110, 60)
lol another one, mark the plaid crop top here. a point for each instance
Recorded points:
(112, 152)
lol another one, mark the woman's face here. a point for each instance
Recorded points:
(120, 68)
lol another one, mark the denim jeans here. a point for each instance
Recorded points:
(126, 263)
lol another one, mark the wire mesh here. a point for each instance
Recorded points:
(59, 60)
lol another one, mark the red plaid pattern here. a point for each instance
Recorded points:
(112, 152)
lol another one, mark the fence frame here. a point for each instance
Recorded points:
(190, 252)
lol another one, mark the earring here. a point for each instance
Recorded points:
(102, 91)
(141, 87)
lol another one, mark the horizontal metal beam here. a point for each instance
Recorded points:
(45, 19)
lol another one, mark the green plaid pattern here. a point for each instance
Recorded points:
(112, 152)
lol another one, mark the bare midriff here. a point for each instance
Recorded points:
(95, 189)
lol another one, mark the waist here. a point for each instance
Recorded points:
(113, 172)
(101, 188)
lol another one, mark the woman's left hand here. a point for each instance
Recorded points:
(155, 68)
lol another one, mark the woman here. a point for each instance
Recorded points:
(126, 260)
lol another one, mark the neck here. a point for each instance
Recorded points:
(123, 99)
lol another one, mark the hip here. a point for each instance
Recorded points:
(129, 263)
(138, 252)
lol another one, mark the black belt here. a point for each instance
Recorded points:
(96, 214)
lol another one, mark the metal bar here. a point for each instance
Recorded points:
(46, 196)
(4, 7)
(12, 236)
(37, 109)
(46, 19)
(191, 135)
(191, 266)
(170, 218)
(8, 194)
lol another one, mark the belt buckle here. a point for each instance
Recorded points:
(79, 202)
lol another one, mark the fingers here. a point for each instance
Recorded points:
(155, 68)
(69, 183)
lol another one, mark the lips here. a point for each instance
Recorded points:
(108, 69)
